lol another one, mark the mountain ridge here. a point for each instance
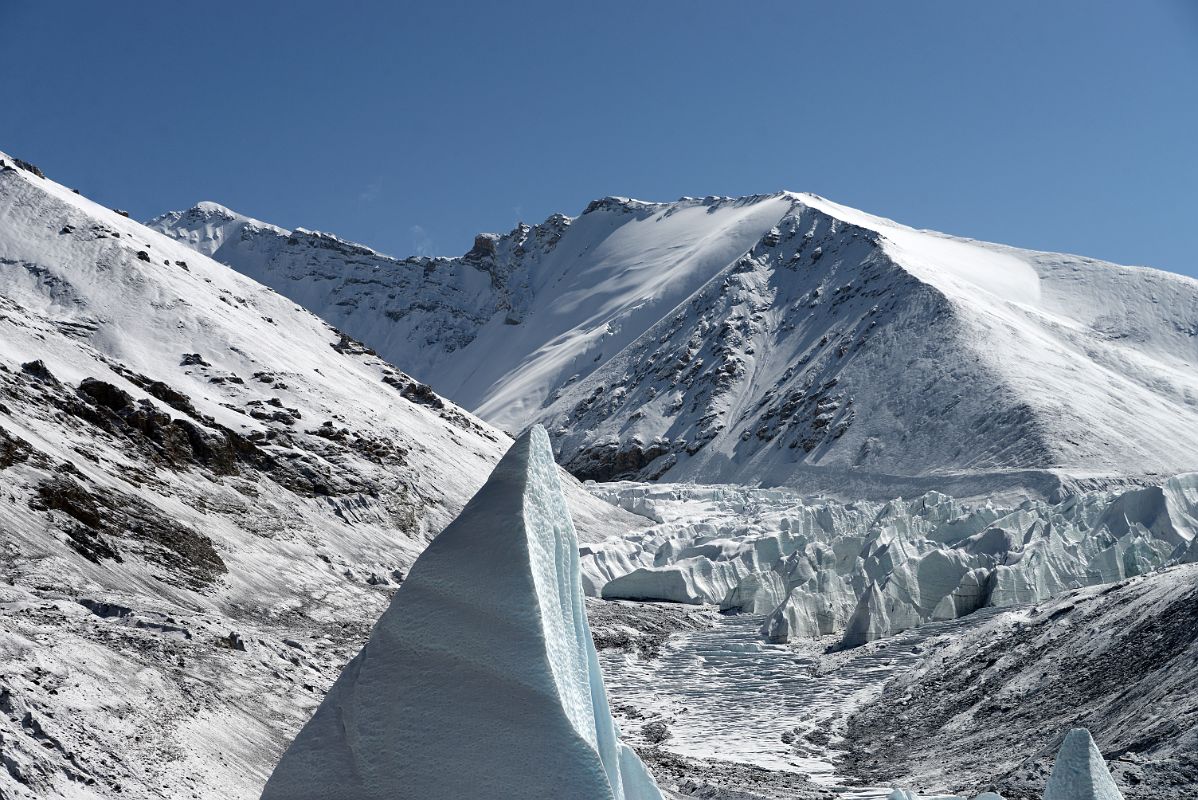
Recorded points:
(555, 323)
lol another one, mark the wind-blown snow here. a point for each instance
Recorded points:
(481, 679)
(958, 267)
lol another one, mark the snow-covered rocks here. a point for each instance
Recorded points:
(820, 567)
(480, 679)
(1080, 773)
(772, 340)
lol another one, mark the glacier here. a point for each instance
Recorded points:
(210, 494)
(865, 570)
(484, 656)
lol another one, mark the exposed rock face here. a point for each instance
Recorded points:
(100, 527)
(613, 460)
(434, 306)
(25, 165)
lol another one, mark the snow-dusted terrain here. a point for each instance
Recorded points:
(776, 340)
(207, 496)
(990, 708)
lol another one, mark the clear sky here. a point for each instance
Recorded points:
(1056, 124)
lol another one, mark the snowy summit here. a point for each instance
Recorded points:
(775, 339)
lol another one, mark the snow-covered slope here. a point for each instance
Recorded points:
(518, 316)
(778, 340)
(480, 679)
(207, 496)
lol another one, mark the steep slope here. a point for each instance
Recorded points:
(207, 495)
(519, 315)
(777, 340)
(848, 353)
(990, 709)
(445, 673)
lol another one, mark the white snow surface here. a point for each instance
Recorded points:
(188, 456)
(1080, 773)
(485, 650)
(779, 340)
(772, 340)
(590, 285)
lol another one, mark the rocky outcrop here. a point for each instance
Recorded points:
(101, 526)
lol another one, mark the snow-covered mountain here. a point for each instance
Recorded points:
(776, 340)
(207, 496)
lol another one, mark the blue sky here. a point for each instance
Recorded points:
(1058, 124)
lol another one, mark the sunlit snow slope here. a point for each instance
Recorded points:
(207, 496)
(778, 339)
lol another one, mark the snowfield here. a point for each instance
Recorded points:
(778, 340)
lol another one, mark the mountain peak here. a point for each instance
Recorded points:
(210, 208)
(772, 338)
